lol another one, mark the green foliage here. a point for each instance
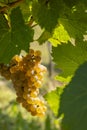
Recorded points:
(68, 57)
(14, 37)
(53, 98)
(44, 36)
(59, 36)
(47, 14)
(74, 20)
(61, 21)
(73, 101)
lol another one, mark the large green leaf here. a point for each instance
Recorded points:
(73, 23)
(68, 57)
(74, 20)
(47, 14)
(73, 102)
(15, 38)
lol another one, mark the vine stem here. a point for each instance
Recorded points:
(10, 5)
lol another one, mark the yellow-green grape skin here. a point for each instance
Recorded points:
(39, 109)
(30, 73)
(34, 78)
(26, 73)
(41, 114)
(30, 100)
(26, 89)
(31, 52)
(37, 53)
(37, 84)
(4, 71)
(25, 104)
(33, 94)
(15, 60)
(33, 108)
(40, 76)
(40, 68)
(25, 96)
(19, 99)
(37, 59)
(44, 108)
(19, 91)
(14, 69)
(34, 113)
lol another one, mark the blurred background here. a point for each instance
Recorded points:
(12, 115)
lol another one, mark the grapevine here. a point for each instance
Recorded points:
(26, 73)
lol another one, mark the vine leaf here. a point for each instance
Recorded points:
(53, 99)
(44, 37)
(61, 20)
(59, 36)
(68, 57)
(14, 39)
(74, 20)
(73, 101)
(46, 15)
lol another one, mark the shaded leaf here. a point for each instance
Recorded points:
(44, 37)
(74, 20)
(73, 102)
(16, 38)
(46, 15)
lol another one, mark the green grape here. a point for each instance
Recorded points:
(44, 108)
(37, 53)
(39, 109)
(26, 74)
(25, 104)
(33, 108)
(37, 59)
(31, 52)
(34, 78)
(33, 113)
(4, 71)
(19, 99)
(34, 89)
(30, 100)
(26, 89)
(33, 94)
(41, 114)
(25, 96)
(37, 84)
(40, 76)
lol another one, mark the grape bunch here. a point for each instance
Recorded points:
(26, 73)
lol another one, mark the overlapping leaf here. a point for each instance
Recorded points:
(47, 14)
(74, 20)
(15, 38)
(44, 37)
(68, 57)
(59, 36)
(73, 102)
(73, 23)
